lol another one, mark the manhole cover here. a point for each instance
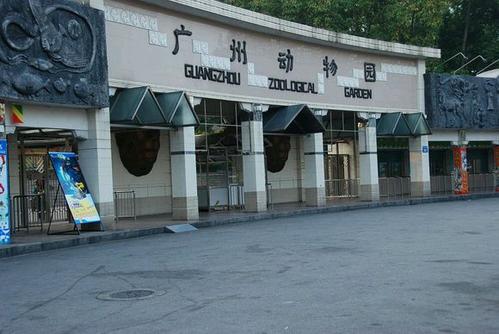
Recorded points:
(135, 294)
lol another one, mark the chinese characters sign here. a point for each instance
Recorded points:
(286, 61)
(369, 72)
(177, 33)
(233, 62)
(329, 67)
(240, 51)
(4, 195)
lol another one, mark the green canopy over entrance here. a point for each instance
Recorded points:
(418, 124)
(297, 120)
(402, 125)
(141, 107)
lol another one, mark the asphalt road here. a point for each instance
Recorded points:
(421, 269)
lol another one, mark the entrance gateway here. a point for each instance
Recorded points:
(207, 112)
(235, 75)
(48, 93)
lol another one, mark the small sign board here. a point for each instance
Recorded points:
(75, 189)
(4, 195)
(425, 149)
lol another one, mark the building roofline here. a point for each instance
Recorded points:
(254, 21)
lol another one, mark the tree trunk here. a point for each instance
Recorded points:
(466, 26)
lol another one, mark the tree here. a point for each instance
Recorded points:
(471, 26)
(405, 21)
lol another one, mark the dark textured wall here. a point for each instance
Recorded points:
(461, 102)
(53, 52)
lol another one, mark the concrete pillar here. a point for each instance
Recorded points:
(184, 180)
(368, 152)
(420, 86)
(315, 191)
(255, 192)
(419, 159)
(96, 162)
(460, 176)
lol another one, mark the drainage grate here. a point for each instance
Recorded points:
(135, 294)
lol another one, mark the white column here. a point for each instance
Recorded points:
(419, 158)
(96, 163)
(368, 161)
(255, 193)
(184, 179)
(315, 191)
(420, 86)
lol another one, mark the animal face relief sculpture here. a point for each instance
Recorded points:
(138, 150)
(53, 51)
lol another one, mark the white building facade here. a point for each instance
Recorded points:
(215, 107)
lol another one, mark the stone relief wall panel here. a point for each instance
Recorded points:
(462, 102)
(53, 52)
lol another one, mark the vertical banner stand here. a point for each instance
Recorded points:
(5, 222)
(81, 206)
(75, 230)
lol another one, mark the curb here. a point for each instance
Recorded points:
(21, 249)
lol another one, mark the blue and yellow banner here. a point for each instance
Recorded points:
(75, 189)
(4, 195)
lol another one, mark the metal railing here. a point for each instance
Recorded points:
(441, 184)
(481, 183)
(28, 211)
(270, 201)
(56, 205)
(236, 196)
(342, 188)
(394, 187)
(477, 183)
(124, 205)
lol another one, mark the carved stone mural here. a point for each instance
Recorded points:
(138, 150)
(462, 102)
(54, 52)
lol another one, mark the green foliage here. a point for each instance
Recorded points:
(482, 36)
(432, 23)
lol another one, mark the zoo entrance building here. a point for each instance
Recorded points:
(187, 106)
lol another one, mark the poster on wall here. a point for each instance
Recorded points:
(4, 195)
(460, 175)
(75, 189)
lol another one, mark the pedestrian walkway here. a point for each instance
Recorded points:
(37, 240)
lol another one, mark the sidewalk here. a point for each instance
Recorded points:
(36, 240)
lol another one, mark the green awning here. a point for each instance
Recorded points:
(393, 124)
(178, 110)
(418, 124)
(139, 106)
(297, 119)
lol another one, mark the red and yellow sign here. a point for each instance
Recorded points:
(460, 177)
(2, 112)
(17, 114)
